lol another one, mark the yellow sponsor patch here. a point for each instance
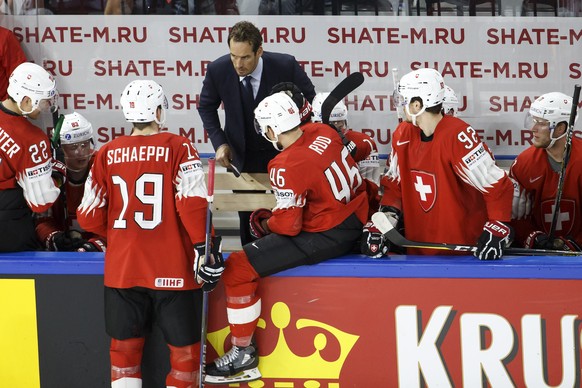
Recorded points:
(19, 367)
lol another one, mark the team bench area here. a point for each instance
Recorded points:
(352, 321)
(448, 321)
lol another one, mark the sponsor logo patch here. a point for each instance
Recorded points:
(475, 156)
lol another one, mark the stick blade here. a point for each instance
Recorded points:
(382, 222)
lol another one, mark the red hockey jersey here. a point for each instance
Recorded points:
(316, 183)
(535, 189)
(62, 216)
(447, 187)
(26, 161)
(369, 165)
(147, 195)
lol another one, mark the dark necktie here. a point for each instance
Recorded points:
(248, 94)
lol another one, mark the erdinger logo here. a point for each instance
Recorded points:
(282, 363)
(565, 219)
(425, 185)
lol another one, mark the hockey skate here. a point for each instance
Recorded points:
(238, 365)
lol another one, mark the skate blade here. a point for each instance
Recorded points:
(247, 375)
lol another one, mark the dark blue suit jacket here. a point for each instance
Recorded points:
(222, 85)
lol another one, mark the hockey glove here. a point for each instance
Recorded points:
(258, 223)
(495, 238)
(540, 240)
(298, 98)
(59, 173)
(93, 245)
(208, 274)
(350, 145)
(68, 241)
(373, 242)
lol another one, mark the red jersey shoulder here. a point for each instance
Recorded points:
(365, 145)
(403, 134)
(302, 154)
(528, 162)
(449, 127)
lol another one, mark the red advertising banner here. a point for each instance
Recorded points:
(389, 332)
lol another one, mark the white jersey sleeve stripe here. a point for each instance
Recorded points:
(481, 175)
(38, 186)
(190, 181)
(393, 172)
(522, 201)
(93, 197)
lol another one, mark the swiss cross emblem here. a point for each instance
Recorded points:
(132, 104)
(425, 185)
(565, 218)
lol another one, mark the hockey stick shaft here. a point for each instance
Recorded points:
(565, 159)
(386, 227)
(207, 243)
(395, 83)
(348, 85)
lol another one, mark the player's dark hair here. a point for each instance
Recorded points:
(433, 109)
(246, 32)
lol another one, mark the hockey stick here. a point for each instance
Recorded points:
(348, 85)
(565, 159)
(385, 226)
(204, 319)
(395, 82)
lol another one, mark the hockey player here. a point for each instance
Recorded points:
(450, 102)
(441, 178)
(293, 91)
(26, 184)
(147, 194)
(321, 207)
(367, 152)
(368, 163)
(535, 174)
(57, 228)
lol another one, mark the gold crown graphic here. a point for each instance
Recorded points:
(282, 362)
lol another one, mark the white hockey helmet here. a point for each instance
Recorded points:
(33, 81)
(338, 113)
(426, 84)
(140, 101)
(553, 107)
(279, 112)
(75, 129)
(450, 102)
(549, 109)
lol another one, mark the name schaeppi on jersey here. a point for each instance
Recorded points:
(138, 154)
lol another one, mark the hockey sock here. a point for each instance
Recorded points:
(125, 361)
(185, 362)
(243, 306)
